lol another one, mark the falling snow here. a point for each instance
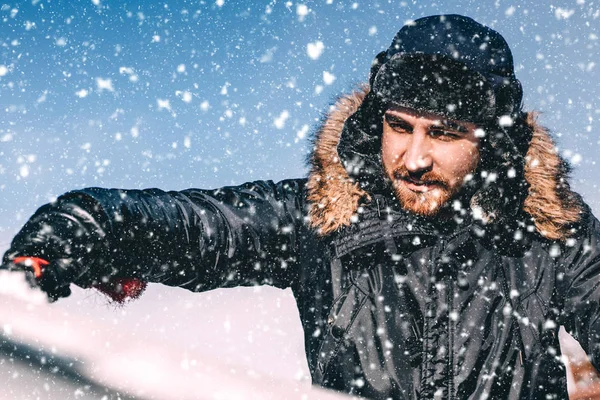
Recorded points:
(314, 50)
(216, 93)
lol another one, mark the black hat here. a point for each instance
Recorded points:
(450, 65)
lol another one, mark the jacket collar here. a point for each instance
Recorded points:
(335, 198)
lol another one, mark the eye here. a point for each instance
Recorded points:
(398, 125)
(443, 135)
(399, 128)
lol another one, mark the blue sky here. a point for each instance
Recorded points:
(180, 94)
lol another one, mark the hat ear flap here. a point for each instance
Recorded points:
(509, 95)
(375, 65)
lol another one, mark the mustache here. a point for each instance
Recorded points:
(427, 178)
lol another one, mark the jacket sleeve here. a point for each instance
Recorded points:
(581, 285)
(196, 239)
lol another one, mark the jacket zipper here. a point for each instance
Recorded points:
(450, 338)
(430, 313)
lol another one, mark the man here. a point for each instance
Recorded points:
(434, 250)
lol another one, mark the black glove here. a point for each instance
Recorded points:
(69, 237)
(48, 248)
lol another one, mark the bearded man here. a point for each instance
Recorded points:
(434, 249)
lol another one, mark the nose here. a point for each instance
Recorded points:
(417, 158)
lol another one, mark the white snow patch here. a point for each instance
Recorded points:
(224, 88)
(301, 11)
(505, 121)
(104, 84)
(82, 93)
(574, 158)
(372, 30)
(205, 105)
(563, 13)
(220, 3)
(61, 42)
(3, 70)
(510, 11)
(163, 104)
(181, 68)
(279, 122)
(268, 55)
(186, 97)
(328, 77)
(315, 49)
(301, 134)
(24, 171)
(14, 284)
(96, 2)
(135, 131)
(128, 71)
(491, 177)
(187, 142)
(43, 97)
(155, 38)
(549, 324)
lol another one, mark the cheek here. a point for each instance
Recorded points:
(460, 161)
(391, 150)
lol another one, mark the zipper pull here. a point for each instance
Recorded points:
(521, 356)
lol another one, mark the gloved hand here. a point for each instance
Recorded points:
(65, 242)
(51, 277)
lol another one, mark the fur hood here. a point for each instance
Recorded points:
(335, 197)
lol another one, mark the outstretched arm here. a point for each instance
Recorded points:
(196, 239)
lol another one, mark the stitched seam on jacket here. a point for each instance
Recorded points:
(339, 342)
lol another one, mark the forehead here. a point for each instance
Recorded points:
(412, 115)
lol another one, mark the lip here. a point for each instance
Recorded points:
(417, 186)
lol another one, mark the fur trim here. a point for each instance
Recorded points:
(335, 197)
(554, 207)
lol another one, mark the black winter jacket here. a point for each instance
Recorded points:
(392, 306)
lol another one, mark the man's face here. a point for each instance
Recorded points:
(427, 157)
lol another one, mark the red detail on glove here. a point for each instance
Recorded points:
(122, 289)
(34, 262)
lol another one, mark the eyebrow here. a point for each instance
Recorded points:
(452, 125)
(398, 120)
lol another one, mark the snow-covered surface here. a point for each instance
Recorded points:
(56, 351)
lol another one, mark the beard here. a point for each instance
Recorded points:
(427, 203)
